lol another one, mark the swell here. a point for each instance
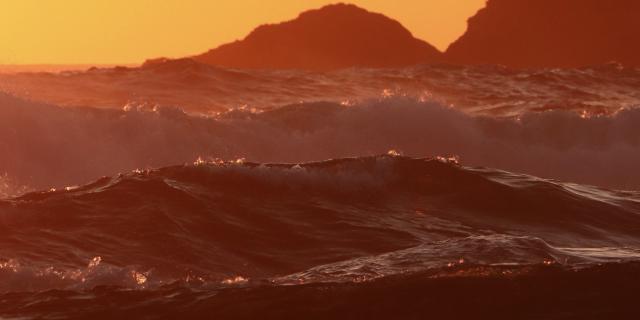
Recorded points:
(525, 293)
(348, 220)
(201, 88)
(46, 146)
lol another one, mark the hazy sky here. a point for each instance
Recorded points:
(130, 31)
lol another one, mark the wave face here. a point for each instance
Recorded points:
(396, 236)
(58, 147)
(221, 232)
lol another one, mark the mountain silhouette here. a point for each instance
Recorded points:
(551, 33)
(333, 37)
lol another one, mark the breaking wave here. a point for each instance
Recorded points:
(191, 221)
(58, 147)
(197, 229)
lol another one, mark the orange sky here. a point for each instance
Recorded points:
(130, 31)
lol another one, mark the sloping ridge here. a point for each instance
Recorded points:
(333, 37)
(551, 33)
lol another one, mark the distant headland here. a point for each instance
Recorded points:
(514, 33)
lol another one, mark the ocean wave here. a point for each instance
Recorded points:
(199, 88)
(48, 146)
(482, 292)
(216, 238)
(331, 221)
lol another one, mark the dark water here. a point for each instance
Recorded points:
(404, 235)
(211, 238)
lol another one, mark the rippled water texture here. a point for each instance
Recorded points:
(502, 196)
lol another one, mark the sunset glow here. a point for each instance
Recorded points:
(130, 31)
(316, 159)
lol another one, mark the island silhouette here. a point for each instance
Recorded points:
(514, 33)
(333, 37)
(551, 33)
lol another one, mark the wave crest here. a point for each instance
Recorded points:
(55, 147)
(383, 214)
